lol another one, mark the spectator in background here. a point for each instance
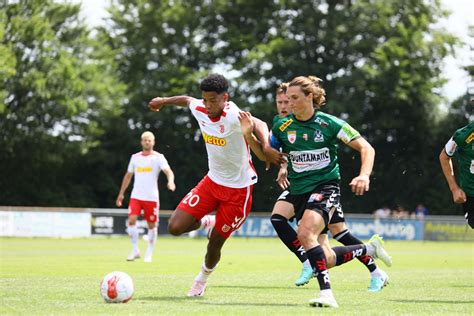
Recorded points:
(383, 212)
(421, 211)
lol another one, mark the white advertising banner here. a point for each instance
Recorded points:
(45, 224)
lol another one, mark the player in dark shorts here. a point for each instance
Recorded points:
(280, 219)
(461, 145)
(310, 138)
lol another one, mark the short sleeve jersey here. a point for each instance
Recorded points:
(461, 145)
(146, 169)
(229, 159)
(312, 147)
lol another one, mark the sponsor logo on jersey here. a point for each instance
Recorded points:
(285, 125)
(213, 140)
(318, 136)
(470, 138)
(144, 169)
(321, 122)
(307, 160)
(291, 136)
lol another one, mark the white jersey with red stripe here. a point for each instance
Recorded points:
(230, 162)
(146, 169)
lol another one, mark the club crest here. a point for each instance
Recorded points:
(221, 128)
(291, 136)
(318, 136)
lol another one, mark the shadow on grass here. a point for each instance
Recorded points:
(162, 298)
(254, 287)
(251, 304)
(433, 301)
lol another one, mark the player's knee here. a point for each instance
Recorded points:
(305, 236)
(174, 229)
(278, 220)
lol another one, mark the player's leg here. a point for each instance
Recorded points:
(282, 212)
(468, 208)
(150, 210)
(193, 208)
(311, 225)
(212, 258)
(134, 209)
(234, 207)
(341, 233)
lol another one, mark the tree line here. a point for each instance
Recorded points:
(75, 97)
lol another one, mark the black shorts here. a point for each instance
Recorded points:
(468, 209)
(324, 199)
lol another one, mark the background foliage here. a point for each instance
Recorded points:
(74, 99)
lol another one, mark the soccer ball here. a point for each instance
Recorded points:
(117, 287)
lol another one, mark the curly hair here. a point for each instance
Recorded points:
(309, 85)
(214, 83)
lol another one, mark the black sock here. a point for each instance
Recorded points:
(288, 236)
(347, 253)
(346, 238)
(317, 258)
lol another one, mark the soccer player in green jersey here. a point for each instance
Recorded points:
(281, 217)
(310, 138)
(462, 146)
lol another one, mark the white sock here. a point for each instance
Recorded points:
(326, 293)
(378, 273)
(151, 240)
(370, 250)
(307, 264)
(133, 233)
(204, 274)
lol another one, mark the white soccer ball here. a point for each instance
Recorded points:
(117, 287)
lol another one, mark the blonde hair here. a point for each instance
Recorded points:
(309, 85)
(282, 88)
(147, 134)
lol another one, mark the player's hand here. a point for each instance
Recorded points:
(459, 196)
(171, 186)
(360, 184)
(156, 104)
(246, 123)
(282, 178)
(119, 200)
(274, 156)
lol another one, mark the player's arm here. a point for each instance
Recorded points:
(247, 127)
(459, 196)
(170, 176)
(156, 104)
(125, 183)
(272, 155)
(360, 184)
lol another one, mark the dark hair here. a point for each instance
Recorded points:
(282, 88)
(214, 83)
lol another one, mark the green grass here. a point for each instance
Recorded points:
(254, 277)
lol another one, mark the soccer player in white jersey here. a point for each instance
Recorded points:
(146, 165)
(227, 188)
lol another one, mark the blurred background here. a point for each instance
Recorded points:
(76, 77)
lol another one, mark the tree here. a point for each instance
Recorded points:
(59, 89)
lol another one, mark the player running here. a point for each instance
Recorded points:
(310, 137)
(146, 166)
(280, 220)
(227, 188)
(462, 146)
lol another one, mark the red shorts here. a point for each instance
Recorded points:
(232, 205)
(150, 209)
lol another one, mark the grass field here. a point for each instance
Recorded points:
(255, 276)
